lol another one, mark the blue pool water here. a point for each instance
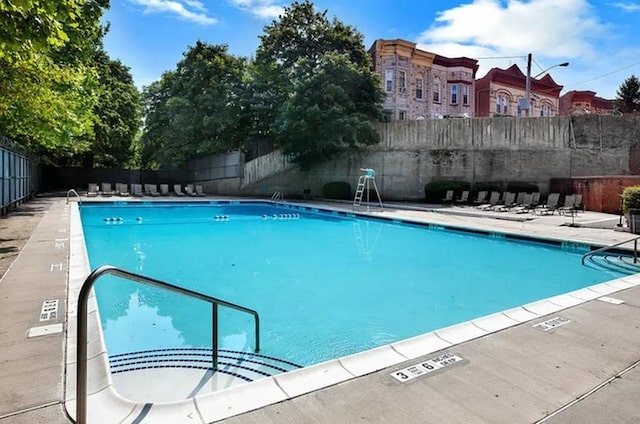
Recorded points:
(325, 285)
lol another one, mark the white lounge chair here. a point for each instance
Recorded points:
(177, 189)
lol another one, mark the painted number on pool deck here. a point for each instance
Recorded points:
(425, 367)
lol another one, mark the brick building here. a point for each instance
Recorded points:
(421, 84)
(584, 102)
(500, 92)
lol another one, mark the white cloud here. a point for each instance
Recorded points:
(260, 8)
(552, 30)
(190, 10)
(627, 7)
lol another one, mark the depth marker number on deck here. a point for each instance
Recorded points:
(552, 323)
(49, 310)
(425, 367)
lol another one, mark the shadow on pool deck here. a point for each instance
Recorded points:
(518, 375)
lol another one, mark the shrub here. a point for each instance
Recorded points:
(522, 187)
(487, 186)
(435, 191)
(338, 190)
(630, 198)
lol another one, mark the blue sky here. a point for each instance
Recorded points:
(598, 38)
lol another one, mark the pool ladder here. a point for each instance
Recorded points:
(603, 249)
(72, 191)
(81, 349)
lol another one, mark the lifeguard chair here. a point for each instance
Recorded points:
(365, 182)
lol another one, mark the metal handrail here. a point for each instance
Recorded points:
(276, 196)
(74, 192)
(81, 349)
(602, 249)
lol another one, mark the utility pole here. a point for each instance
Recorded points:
(527, 87)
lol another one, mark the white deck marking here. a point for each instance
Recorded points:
(425, 367)
(49, 310)
(552, 323)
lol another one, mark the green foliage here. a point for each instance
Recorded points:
(488, 186)
(521, 187)
(630, 198)
(196, 109)
(338, 190)
(314, 89)
(48, 84)
(435, 191)
(628, 95)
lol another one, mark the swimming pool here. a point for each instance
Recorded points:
(326, 284)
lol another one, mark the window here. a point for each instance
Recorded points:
(505, 105)
(402, 81)
(436, 90)
(498, 102)
(465, 94)
(388, 80)
(545, 110)
(419, 87)
(454, 94)
(401, 115)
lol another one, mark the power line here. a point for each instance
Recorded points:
(501, 57)
(607, 74)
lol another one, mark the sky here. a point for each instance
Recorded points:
(597, 37)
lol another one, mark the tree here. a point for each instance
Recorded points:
(196, 109)
(48, 85)
(118, 116)
(297, 58)
(330, 112)
(628, 95)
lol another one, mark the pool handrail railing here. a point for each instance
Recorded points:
(611, 246)
(83, 297)
(72, 191)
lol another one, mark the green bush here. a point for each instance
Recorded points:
(487, 186)
(630, 198)
(522, 187)
(338, 190)
(435, 191)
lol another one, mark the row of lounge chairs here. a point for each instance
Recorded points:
(140, 190)
(518, 202)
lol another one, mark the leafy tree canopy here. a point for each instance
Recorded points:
(316, 94)
(48, 85)
(628, 95)
(194, 110)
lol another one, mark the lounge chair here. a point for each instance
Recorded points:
(121, 189)
(448, 197)
(177, 189)
(164, 189)
(481, 198)
(189, 190)
(136, 190)
(551, 205)
(524, 205)
(569, 205)
(464, 197)
(106, 189)
(199, 191)
(494, 200)
(508, 203)
(151, 190)
(92, 191)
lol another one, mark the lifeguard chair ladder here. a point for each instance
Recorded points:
(364, 183)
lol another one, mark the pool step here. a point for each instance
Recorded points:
(618, 263)
(247, 366)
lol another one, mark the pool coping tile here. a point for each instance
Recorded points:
(494, 322)
(238, 399)
(371, 360)
(459, 333)
(421, 345)
(312, 378)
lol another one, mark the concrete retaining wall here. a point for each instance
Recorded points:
(414, 153)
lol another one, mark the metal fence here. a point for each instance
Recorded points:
(17, 176)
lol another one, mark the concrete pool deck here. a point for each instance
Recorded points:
(517, 375)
